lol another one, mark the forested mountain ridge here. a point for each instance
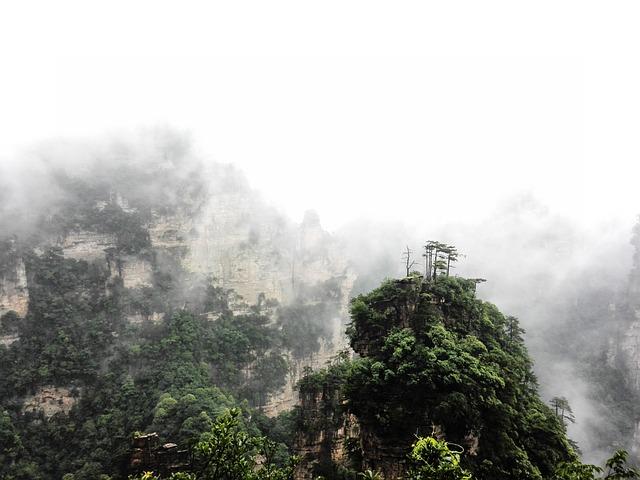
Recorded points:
(432, 360)
(142, 291)
(150, 293)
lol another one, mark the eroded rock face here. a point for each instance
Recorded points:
(287, 397)
(87, 246)
(50, 400)
(7, 340)
(339, 431)
(98, 248)
(231, 236)
(134, 272)
(14, 294)
(326, 440)
(253, 250)
(138, 318)
(624, 343)
(244, 245)
(171, 232)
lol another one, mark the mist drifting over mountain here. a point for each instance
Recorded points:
(205, 212)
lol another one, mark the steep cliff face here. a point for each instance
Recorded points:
(160, 252)
(325, 436)
(624, 342)
(257, 253)
(253, 250)
(331, 441)
(287, 397)
(14, 292)
(432, 360)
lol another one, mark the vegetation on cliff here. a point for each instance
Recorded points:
(175, 377)
(432, 359)
(120, 335)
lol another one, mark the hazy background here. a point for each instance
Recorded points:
(370, 100)
(509, 129)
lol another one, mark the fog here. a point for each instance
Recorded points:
(549, 269)
(473, 103)
(508, 131)
(558, 277)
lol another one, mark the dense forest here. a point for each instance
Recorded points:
(173, 376)
(435, 369)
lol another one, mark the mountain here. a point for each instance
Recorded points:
(134, 268)
(431, 360)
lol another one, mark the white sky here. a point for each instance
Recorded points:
(351, 108)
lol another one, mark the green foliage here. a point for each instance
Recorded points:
(167, 377)
(9, 323)
(174, 476)
(184, 419)
(617, 469)
(10, 445)
(171, 356)
(431, 353)
(576, 471)
(175, 377)
(370, 475)
(304, 325)
(324, 387)
(68, 328)
(227, 452)
(432, 459)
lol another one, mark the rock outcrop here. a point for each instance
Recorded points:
(50, 400)
(86, 245)
(231, 236)
(14, 292)
(326, 441)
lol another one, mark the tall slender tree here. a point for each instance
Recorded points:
(409, 263)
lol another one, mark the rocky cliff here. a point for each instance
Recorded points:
(431, 360)
(14, 293)
(224, 233)
(623, 354)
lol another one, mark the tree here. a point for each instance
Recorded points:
(617, 469)
(228, 452)
(562, 409)
(439, 258)
(576, 471)
(452, 256)
(409, 263)
(432, 459)
(10, 444)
